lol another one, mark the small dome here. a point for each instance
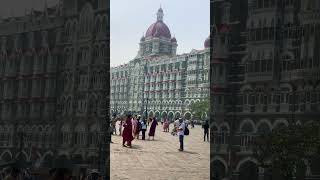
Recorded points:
(173, 39)
(142, 38)
(207, 43)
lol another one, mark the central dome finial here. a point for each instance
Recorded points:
(160, 14)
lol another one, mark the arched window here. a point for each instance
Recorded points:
(104, 24)
(97, 27)
(259, 31)
(86, 19)
(265, 30)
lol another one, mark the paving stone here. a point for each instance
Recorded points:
(160, 159)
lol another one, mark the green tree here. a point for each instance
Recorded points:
(285, 149)
(199, 109)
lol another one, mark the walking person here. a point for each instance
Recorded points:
(152, 129)
(180, 133)
(127, 132)
(205, 127)
(166, 126)
(143, 128)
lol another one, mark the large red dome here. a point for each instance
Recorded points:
(158, 29)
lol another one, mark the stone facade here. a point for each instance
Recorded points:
(265, 74)
(53, 65)
(158, 79)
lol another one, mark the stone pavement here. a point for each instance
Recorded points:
(160, 159)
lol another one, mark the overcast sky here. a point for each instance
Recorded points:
(188, 20)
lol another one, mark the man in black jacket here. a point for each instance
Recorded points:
(206, 127)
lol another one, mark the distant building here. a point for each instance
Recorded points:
(158, 79)
(52, 92)
(265, 74)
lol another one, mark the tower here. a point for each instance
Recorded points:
(157, 41)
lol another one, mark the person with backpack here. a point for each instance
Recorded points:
(181, 132)
(143, 124)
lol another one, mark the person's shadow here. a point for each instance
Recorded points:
(187, 152)
(134, 146)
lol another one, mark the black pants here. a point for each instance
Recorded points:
(181, 141)
(143, 134)
(206, 133)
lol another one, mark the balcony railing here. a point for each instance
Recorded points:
(258, 76)
(300, 74)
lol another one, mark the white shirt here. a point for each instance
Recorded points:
(181, 126)
(144, 126)
(176, 123)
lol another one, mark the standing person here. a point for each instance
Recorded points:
(134, 126)
(143, 128)
(205, 127)
(111, 132)
(175, 125)
(166, 126)
(120, 125)
(113, 123)
(138, 128)
(180, 129)
(127, 132)
(192, 124)
(152, 129)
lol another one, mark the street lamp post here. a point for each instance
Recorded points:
(147, 108)
(116, 109)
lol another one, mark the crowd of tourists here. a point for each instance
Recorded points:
(130, 127)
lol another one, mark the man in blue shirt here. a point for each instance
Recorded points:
(180, 133)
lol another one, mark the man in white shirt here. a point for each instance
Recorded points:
(181, 127)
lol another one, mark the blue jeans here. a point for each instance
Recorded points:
(181, 141)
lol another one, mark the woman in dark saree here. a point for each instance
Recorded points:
(127, 132)
(152, 129)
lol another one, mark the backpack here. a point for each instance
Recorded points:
(139, 125)
(186, 131)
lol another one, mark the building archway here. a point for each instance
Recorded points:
(188, 115)
(177, 114)
(23, 156)
(219, 169)
(164, 114)
(170, 115)
(6, 156)
(157, 115)
(248, 170)
(150, 114)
